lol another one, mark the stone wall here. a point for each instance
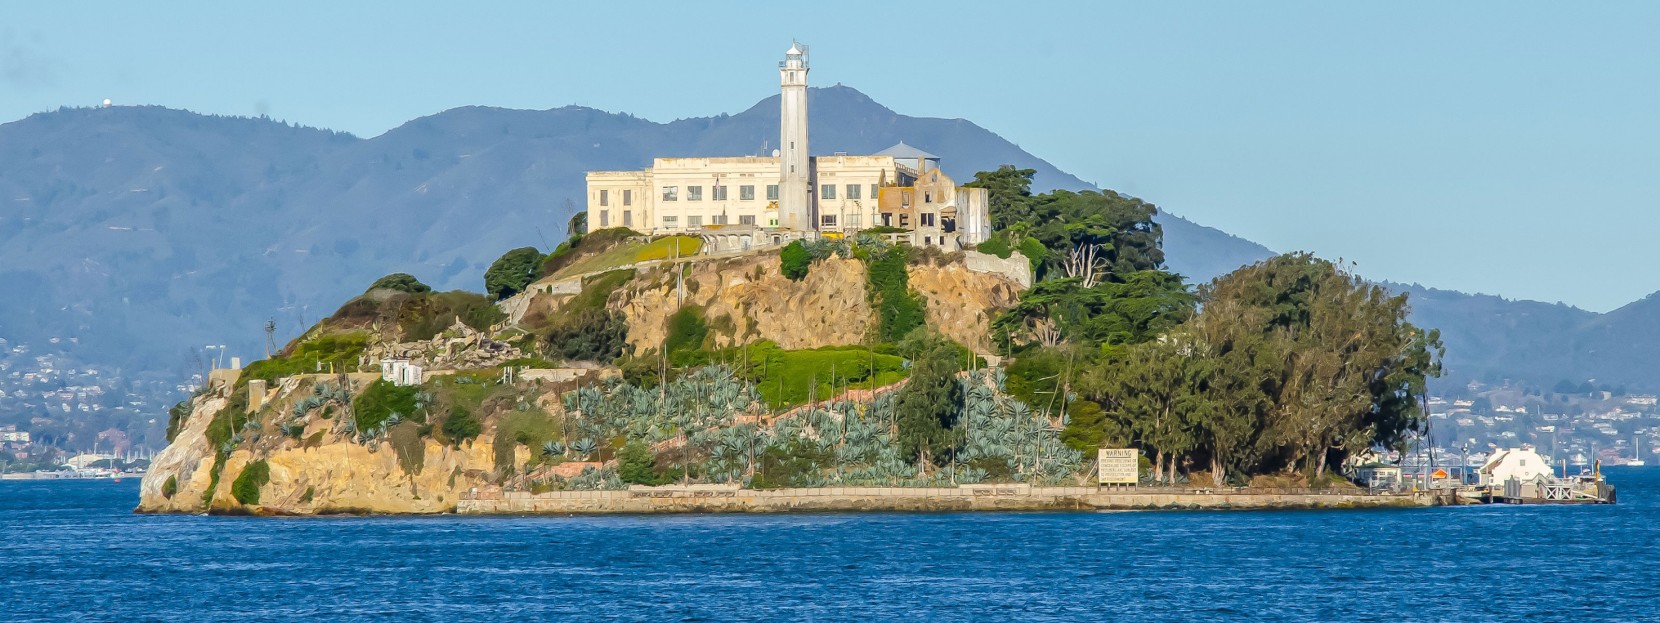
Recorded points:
(966, 498)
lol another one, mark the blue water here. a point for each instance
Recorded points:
(72, 551)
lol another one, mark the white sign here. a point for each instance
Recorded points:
(1118, 466)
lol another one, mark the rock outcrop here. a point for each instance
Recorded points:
(747, 298)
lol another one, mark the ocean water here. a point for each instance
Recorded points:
(72, 551)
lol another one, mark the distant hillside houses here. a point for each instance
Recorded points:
(743, 202)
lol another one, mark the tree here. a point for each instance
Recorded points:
(926, 408)
(578, 226)
(635, 464)
(1291, 365)
(402, 282)
(795, 261)
(512, 272)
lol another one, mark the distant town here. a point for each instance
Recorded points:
(1578, 425)
(59, 414)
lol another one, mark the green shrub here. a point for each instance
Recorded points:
(596, 335)
(402, 282)
(510, 273)
(176, 417)
(794, 260)
(461, 425)
(636, 465)
(246, 486)
(171, 487)
(381, 400)
(1034, 251)
(899, 311)
(687, 331)
(997, 245)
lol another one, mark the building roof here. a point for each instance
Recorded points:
(906, 152)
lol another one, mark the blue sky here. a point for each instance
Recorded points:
(1506, 148)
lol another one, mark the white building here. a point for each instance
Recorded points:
(742, 202)
(401, 372)
(1524, 464)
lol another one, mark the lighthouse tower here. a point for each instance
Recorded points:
(794, 174)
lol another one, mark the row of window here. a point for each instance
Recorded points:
(605, 216)
(605, 197)
(717, 193)
(747, 193)
(673, 222)
(850, 191)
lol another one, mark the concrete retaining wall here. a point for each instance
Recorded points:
(969, 498)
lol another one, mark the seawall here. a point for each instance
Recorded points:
(708, 499)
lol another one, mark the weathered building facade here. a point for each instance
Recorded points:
(742, 202)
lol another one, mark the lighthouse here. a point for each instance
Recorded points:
(794, 174)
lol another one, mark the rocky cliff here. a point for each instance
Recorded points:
(751, 298)
(319, 469)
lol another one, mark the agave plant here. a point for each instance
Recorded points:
(552, 449)
(585, 446)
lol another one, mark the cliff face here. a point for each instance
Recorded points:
(828, 307)
(318, 473)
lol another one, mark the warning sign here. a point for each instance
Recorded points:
(1118, 466)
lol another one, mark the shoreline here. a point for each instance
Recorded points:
(974, 498)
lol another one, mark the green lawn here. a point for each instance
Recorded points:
(631, 252)
(787, 378)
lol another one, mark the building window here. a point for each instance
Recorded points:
(927, 219)
(694, 221)
(671, 222)
(873, 194)
(604, 218)
(854, 220)
(604, 197)
(628, 197)
(746, 193)
(717, 193)
(927, 197)
(904, 220)
(852, 191)
(772, 192)
(718, 219)
(671, 193)
(746, 219)
(827, 191)
(827, 220)
(628, 215)
(694, 193)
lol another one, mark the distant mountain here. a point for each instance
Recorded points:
(143, 232)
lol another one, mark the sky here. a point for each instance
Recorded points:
(1508, 148)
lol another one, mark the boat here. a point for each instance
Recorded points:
(1637, 460)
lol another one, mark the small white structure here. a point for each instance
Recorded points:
(1524, 464)
(399, 371)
